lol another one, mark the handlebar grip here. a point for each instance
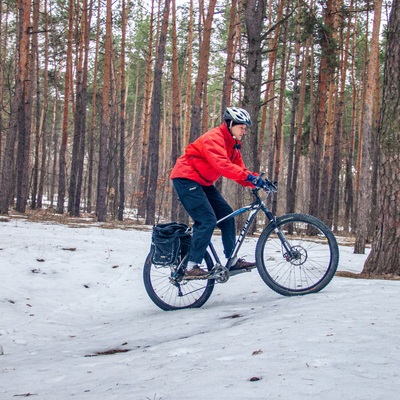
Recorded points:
(271, 185)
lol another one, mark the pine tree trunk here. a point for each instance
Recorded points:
(105, 122)
(291, 185)
(299, 132)
(329, 135)
(93, 117)
(332, 21)
(35, 79)
(333, 209)
(80, 111)
(188, 89)
(42, 125)
(204, 55)
(364, 194)
(24, 85)
(7, 182)
(254, 15)
(54, 141)
(384, 256)
(121, 204)
(176, 148)
(229, 66)
(317, 139)
(349, 140)
(67, 89)
(155, 121)
(146, 120)
(278, 153)
(1, 80)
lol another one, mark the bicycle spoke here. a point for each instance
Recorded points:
(170, 293)
(307, 262)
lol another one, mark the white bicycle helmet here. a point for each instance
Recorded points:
(237, 115)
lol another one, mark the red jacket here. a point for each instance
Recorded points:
(213, 154)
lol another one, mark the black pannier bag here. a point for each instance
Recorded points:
(170, 241)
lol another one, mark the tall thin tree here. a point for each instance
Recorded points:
(91, 141)
(122, 113)
(24, 85)
(105, 121)
(62, 173)
(364, 194)
(176, 147)
(17, 120)
(326, 70)
(202, 73)
(156, 99)
(78, 148)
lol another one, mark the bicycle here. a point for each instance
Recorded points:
(296, 254)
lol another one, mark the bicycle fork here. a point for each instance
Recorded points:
(290, 254)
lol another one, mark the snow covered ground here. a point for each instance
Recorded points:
(76, 322)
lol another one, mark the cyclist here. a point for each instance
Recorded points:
(215, 153)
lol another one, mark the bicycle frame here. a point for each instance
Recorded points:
(253, 209)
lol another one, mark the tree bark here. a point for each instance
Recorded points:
(177, 212)
(146, 119)
(333, 211)
(24, 86)
(78, 148)
(317, 139)
(278, 160)
(254, 14)
(64, 140)
(268, 122)
(230, 59)
(1, 80)
(204, 56)
(121, 204)
(384, 256)
(188, 89)
(35, 80)
(105, 122)
(156, 99)
(43, 125)
(91, 143)
(291, 184)
(364, 194)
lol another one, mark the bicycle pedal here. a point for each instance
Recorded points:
(239, 271)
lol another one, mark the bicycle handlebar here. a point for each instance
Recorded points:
(268, 185)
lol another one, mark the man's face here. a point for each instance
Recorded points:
(238, 131)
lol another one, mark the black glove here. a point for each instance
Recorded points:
(257, 181)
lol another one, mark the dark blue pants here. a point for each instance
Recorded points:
(205, 205)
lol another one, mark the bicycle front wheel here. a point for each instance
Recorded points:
(311, 261)
(169, 291)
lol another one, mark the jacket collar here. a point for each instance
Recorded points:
(232, 142)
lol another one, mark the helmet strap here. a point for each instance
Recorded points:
(237, 145)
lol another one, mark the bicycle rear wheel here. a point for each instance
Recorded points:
(169, 291)
(313, 260)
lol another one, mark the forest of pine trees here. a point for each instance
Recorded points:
(99, 98)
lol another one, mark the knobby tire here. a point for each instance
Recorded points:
(311, 270)
(163, 293)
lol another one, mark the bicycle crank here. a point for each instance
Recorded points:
(220, 274)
